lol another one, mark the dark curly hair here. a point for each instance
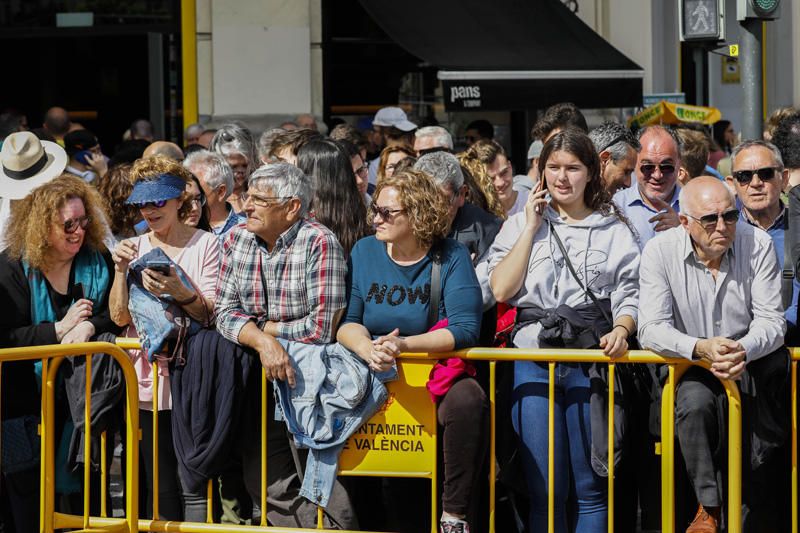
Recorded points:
(115, 187)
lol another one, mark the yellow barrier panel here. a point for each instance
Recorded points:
(399, 440)
(51, 357)
(408, 433)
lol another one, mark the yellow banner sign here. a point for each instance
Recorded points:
(671, 113)
(401, 437)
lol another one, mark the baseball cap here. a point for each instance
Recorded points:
(393, 117)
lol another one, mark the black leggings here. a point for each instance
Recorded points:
(169, 489)
(464, 418)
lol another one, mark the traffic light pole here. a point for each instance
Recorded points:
(750, 45)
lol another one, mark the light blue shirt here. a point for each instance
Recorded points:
(639, 213)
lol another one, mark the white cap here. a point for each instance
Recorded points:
(393, 117)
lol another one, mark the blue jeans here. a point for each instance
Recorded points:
(573, 470)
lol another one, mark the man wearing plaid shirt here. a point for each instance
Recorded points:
(282, 276)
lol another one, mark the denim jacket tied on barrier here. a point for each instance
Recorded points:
(334, 394)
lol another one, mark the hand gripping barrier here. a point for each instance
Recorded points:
(371, 452)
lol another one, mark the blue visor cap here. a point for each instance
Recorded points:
(163, 187)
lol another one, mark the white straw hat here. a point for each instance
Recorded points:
(26, 162)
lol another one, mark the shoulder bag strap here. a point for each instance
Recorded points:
(436, 286)
(571, 269)
(787, 274)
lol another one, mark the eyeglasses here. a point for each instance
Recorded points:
(384, 212)
(746, 176)
(264, 201)
(709, 222)
(667, 169)
(157, 205)
(363, 169)
(72, 225)
(198, 200)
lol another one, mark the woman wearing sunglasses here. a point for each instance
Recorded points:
(569, 263)
(55, 278)
(160, 193)
(389, 312)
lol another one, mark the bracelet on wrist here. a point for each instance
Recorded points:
(623, 327)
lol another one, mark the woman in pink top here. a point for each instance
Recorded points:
(160, 194)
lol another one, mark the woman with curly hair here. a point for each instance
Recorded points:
(115, 187)
(388, 313)
(489, 166)
(55, 278)
(570, 264)
(160, 194)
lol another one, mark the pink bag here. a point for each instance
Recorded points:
(445, 373)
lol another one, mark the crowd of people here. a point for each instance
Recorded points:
(321, 259)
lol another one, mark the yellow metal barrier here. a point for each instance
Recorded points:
(51, 357)
(366, 457)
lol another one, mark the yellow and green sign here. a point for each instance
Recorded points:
(671, 113)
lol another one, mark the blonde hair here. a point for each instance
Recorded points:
(384, 160)
(149, 168)
(33, 217)
(475, 159)
(424, 203)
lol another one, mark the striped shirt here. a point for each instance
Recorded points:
(300, 283)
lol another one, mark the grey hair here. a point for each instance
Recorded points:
(682, 198)
(615, 139)
(218, 171)
(739, 148)
(443, 167)
(195, 128)
(235, 139)
(265, 142)
(284, 180)
(669, 130)
(440, 135)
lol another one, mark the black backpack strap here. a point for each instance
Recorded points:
(436, 285)
(787, 274)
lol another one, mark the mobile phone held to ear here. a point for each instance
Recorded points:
(159, 265)
(82, 157)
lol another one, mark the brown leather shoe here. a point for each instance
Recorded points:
(705, 521)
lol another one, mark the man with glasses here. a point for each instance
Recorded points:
(216, 179)
(432, 139)
(710, 290)
(758, 177)
(282, 277)
(652, 203)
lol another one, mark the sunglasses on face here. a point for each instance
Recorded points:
(153, 205)
(384, 212)
(72, 225)
(709, 222)
(666, 169)
(746, 176)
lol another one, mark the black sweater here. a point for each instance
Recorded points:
(19, 390)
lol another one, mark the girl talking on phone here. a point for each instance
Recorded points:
(569, 263)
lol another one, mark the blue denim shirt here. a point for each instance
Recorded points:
(334, 394)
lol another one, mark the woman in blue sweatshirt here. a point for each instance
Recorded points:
(388, 313)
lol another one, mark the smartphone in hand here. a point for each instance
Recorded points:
(161, 266)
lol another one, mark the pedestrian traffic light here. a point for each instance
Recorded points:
(758, 9)
(702, 20)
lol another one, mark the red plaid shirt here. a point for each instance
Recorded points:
(304, 275)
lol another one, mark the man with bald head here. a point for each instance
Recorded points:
(651, 204)
(57, 123)
(165, 148)
(710, 290)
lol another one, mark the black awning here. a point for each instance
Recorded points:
(511, 54)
